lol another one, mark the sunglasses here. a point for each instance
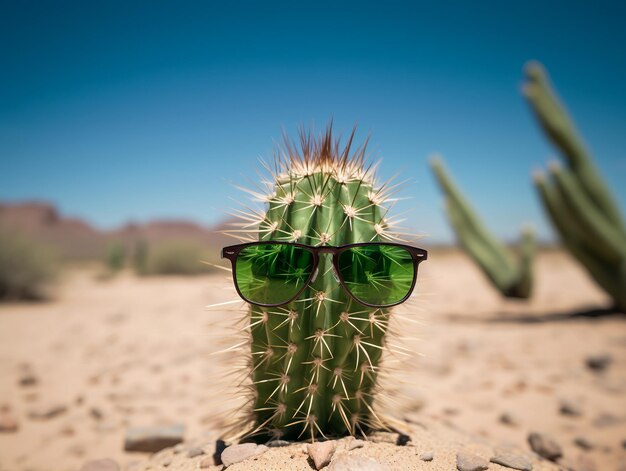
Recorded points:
(376, 274)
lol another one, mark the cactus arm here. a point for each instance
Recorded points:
(500, 276)
(526, 257)
(510, 278)
(592, 225)
(472, 226)
(580, 205)
(559, 128)
(611, 280)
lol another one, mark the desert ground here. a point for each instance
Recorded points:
(105, 356)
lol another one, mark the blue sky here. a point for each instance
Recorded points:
(120, 111)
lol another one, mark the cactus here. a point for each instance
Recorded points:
(512, 277)
(577, 200)
(115, 257)
(315, 364)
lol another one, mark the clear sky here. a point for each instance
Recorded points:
(121, 110)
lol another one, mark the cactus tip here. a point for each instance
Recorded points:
(534, 70)
(538, 175)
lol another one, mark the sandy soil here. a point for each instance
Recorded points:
(77, 372)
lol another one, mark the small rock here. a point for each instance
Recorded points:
(28, 379)
(509, 419)
(599, 362)
(153, 439)
(47, 412)
(180, 448)
(105, 464)
(244, 451)
(544, 446)
(469, 462)
(346, 462)
(8, 423)
(95, 413)
(278, 443)
(356, 443)
(511, 460)
(583, 443)
(321, 452)
(568, 407)
(195, 451)
(427, 456)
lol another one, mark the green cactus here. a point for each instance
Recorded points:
(512, 277)
(115, 257)
(316, 362)
(579, 203)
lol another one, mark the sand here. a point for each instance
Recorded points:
(104, 356)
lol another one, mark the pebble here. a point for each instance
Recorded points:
(195, 451)
(568, 407)
(509, 419)
(583, 443)
(244, 451)
(153, 439)
(598, 362)
(469, 462)
(47, 411)
(105, 464)
(427, 456)
(544, 446)
(8, 423)
(511, 460)
(321, 452)
(95, 413)
(356, 443)
(345, 462)
(278, 443)
(28, 379)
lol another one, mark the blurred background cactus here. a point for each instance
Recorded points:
(579, 203)
(115, 258)
(510, 274)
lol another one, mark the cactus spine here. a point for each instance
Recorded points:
(578, 202)
(316, 361)
(512, 277)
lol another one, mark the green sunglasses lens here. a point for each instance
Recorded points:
(272, 273)
(379, 275)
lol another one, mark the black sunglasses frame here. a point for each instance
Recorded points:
(232, 252)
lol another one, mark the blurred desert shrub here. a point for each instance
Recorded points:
(115, 257)
(27, 268)
(176, 258)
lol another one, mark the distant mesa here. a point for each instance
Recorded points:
(77, 239)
